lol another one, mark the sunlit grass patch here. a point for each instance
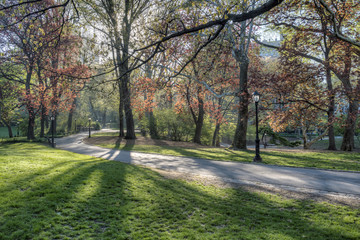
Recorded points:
(52, 194)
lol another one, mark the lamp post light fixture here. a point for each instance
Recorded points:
(52, 131)
(257, 157)
(89, 127)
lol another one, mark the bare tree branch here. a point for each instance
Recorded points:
(336, 29)
(221, 22)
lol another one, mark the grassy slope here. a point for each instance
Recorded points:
(326, 160)
(50, 194)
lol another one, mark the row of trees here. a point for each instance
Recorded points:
(40, 58)
(198, 57)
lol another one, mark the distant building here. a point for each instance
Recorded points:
(271, 52)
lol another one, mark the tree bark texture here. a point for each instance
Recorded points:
(200, 119)
(216, 137)
(104, 117)
(122, 60)
(331, 108)
(348, 143)
(42, 121)
(30, 108)
(239, 141)
(71, 115)
(9, 129)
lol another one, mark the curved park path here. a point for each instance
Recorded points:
(288, 178)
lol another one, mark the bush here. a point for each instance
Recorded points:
(174, 126)
(277, 137)
(96, 125)
(207, 131)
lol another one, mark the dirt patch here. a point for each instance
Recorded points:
(140, 140)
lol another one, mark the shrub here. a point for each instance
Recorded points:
(174, 126)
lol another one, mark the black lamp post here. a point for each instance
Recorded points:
(52, 131)
(75, 125)
(89, 127)
(18, 129)
(257, 157)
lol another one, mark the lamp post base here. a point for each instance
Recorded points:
(257, 159)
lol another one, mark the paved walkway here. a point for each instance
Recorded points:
(288, 178)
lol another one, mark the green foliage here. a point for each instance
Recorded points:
(174, 126)
(207, 132)
(23, 127)
(96, 125)
(177, 127)
(227, 132)
(53, 194)
(277, 137)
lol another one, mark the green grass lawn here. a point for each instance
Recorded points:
(324, 144)
(53, 194)
(325, 160)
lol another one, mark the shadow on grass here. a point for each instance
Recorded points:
(99, 199)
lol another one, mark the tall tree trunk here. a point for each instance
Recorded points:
(47, 122)
(199, 118)
(71, 115)
(121, 46)
(42, 121)
(116, 65)
(42, 100)
(30, 108)
(239, 141)
(9, 128)
(69, 121)
(104, 117)
(241, 56)
(121, 117)
(31, 126)
(216, 137)
(149, 112)
(125, 75)
(331, 108)
(199, 121)
(348, 143)
(130, 126)
(304, 134)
